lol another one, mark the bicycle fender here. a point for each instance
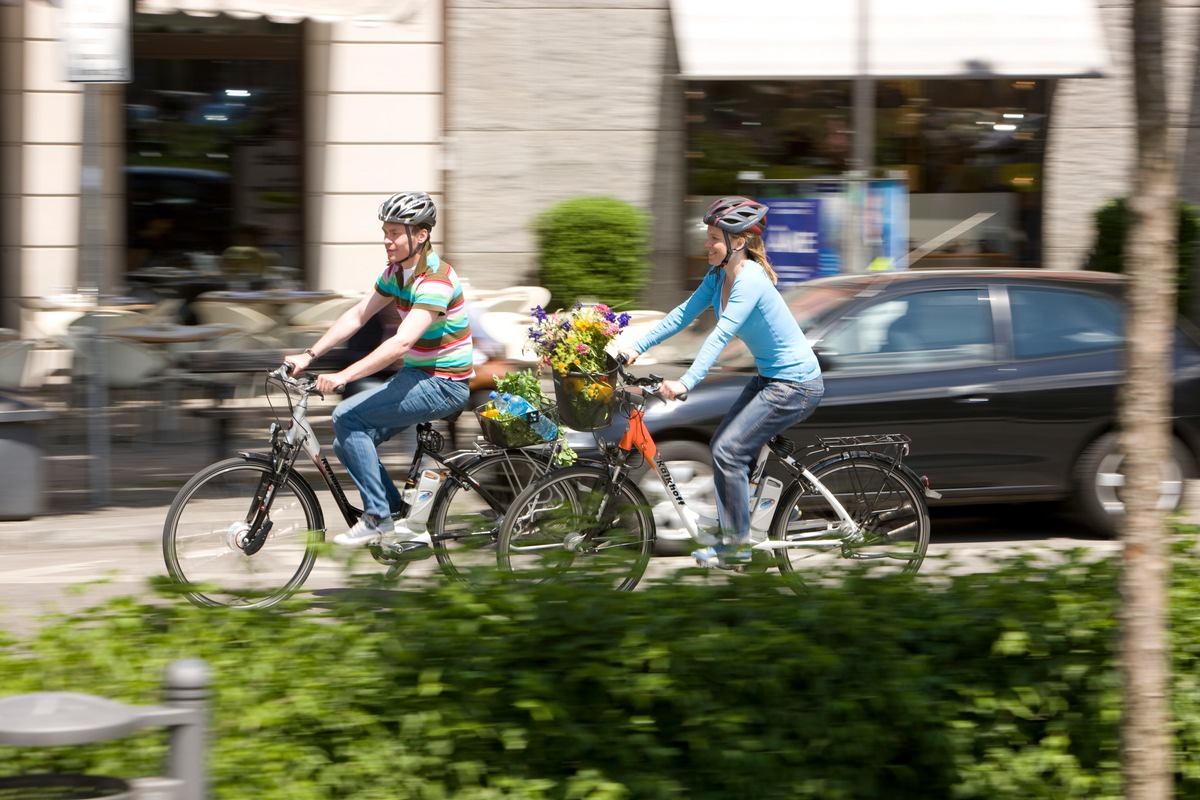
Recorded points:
(917, 480)
(301, 484)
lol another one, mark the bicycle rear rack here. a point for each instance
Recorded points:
(865, 440)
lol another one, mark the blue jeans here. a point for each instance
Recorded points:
(363, 422)
(764, 408)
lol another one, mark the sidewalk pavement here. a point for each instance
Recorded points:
(143, 476)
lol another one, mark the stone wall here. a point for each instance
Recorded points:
(549, 101)
(1091, 153)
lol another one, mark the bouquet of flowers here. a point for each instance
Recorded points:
(572, 343)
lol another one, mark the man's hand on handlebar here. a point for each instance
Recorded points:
(331, 383)
(299, 362)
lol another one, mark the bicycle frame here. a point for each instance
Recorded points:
(300, 435)
(637, 437)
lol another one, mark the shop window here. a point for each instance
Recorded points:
(214, 143)
(965, 146)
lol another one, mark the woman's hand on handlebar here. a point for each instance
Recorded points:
(627, 357)
(673, 390)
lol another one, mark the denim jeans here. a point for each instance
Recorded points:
(363, 422)
(764, 408)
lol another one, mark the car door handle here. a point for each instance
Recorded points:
(970, 394)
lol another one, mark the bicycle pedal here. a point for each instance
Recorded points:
(405, 551)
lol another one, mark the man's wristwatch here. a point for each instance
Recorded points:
(308, 351)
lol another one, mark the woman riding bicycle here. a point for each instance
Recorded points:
(433, 338)
(740, 287)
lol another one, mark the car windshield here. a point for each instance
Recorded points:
(808, 302)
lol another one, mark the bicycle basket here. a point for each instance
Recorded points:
(507, 431)
(585, 399)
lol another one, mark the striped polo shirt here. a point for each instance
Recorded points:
(445, 349)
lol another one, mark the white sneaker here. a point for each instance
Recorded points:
(406, 541)
(368, 530)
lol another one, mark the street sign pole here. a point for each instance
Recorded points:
(95, 37)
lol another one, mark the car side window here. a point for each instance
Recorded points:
(1052, 322)
(929, 330)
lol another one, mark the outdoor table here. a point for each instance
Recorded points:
(83, 302)
(173, 333)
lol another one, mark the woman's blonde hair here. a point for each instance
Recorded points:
(757, 251)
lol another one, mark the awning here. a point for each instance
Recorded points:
(289, 10)
(788, 39)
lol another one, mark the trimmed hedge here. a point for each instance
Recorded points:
(594, 249)
(1108, 251)
(997, 685)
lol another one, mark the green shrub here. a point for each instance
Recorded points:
(1108, 252)
(593, 248)
(991, 685)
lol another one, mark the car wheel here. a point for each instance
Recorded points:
(690, 464)
(1100, 483)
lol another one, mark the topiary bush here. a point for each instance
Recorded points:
(594, 248)
(1108, 252)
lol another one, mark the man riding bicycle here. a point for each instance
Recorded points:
(434, 341)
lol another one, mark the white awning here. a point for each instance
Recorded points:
(788, 39)
(289, 10)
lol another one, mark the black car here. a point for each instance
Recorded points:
(1006, 381)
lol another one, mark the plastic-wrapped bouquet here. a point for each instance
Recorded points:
(574, 340)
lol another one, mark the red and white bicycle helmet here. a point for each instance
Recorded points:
(736, 214)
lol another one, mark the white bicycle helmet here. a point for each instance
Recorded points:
(409, 208)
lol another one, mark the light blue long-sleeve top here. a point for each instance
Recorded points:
(756, 314)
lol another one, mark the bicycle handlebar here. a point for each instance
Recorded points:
(651, 383)
(284, 374)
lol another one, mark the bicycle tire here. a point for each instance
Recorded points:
(210, 516)
(880, 496)
(463, 524)
(553, 531)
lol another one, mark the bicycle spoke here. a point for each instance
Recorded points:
(889, 531)
(568, 526)
(208, 533)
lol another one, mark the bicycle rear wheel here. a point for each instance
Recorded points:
(575, 524)
(463, 522)
(884, 500)
(209, 532)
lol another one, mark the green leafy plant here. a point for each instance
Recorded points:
(527, 384)
(1112, 225)
(591, 247)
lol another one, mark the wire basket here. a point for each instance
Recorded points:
(585, 399)
(509, 431)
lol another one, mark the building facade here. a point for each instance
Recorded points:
(501, 108)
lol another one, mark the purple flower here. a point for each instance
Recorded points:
(539, 313)
(623, 320)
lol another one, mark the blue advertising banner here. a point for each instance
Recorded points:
(792, 238)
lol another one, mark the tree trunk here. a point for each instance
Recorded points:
(1145, 425)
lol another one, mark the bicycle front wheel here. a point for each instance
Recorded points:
(465, 522)
(886, 504)
(224, 552)
(576, 523)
